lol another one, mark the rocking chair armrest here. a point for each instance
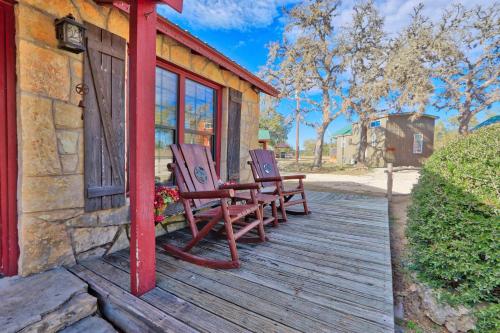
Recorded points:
(269, 179)
(244, 186)
(219, 194)
(294, 177)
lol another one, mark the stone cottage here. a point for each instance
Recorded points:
(64, 149)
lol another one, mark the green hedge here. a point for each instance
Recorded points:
(454, 220)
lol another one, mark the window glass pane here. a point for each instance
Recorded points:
(205, 140)
(375, 123)
(163, 155)
(166, 98)
(165, 122)
(418, 143)
(200, 107)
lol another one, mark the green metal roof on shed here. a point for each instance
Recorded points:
(487, 122)
(345, 131)
(264, 135)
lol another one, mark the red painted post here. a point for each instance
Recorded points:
(8, 142)
(142, 140)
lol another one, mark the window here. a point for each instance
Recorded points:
(199, 115)
(193, 121)
(374, 139)
(418, 143)
(375, 123)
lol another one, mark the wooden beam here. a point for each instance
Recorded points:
(142, 140)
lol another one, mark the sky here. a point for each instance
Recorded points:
(241, 29)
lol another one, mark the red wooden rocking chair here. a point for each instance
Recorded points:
(265, 171)
(205, 199)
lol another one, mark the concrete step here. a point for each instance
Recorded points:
(90, 324)
(45, 302)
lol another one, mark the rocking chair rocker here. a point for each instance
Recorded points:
(205, 199)
(265, 171)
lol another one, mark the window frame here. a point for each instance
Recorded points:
(421, 146)
(184, 74)
(375, 123)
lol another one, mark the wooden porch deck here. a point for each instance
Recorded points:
(327, 272)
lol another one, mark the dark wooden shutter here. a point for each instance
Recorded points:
(104, 119)
(233, 135)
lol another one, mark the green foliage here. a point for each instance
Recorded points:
(454, 222)
(276, 124)
(488, 319)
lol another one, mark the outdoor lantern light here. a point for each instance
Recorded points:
(70, 34)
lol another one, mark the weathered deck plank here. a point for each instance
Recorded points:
(326, 272)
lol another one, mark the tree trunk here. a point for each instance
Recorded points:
(464, 119)
(363, 141)
(318, 148)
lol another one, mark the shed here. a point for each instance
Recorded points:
(404, 139)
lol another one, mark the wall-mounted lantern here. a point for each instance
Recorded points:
(70, 34)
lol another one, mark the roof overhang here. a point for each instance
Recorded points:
(124, 4)
(173, 31)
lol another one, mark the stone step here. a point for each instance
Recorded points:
(90, 324)
(45, 302)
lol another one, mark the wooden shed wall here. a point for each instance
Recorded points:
(399, 139)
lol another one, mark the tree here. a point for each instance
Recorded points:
(273, 121)
(469, 64)
(453, 64)
(364, 56)
(408, 68)
(285, 72)
(310, 63)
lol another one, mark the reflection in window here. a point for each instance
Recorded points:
(418, 143)
(199, 114)
(167, 88)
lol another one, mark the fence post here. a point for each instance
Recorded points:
(389, 181)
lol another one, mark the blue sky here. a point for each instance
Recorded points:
(241, 29)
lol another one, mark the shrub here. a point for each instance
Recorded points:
(454, 222)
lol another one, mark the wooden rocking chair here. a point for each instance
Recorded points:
(265, 171)
(205, 199)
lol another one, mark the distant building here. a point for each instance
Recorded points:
(283, 150)
(392, 138)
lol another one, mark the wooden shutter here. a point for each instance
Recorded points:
(104, 119)
(233, 135)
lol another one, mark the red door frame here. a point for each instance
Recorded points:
(8, 142)
(183, 75)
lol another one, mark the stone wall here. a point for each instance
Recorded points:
(53, 228)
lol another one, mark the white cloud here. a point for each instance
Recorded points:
(229, 14)
(246, 14)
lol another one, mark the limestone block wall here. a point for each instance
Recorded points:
(53, 228)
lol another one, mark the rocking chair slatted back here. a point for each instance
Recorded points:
(195, 170)
(264, 165)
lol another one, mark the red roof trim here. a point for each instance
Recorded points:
(198, 46)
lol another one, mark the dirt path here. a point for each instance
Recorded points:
(371, 182)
